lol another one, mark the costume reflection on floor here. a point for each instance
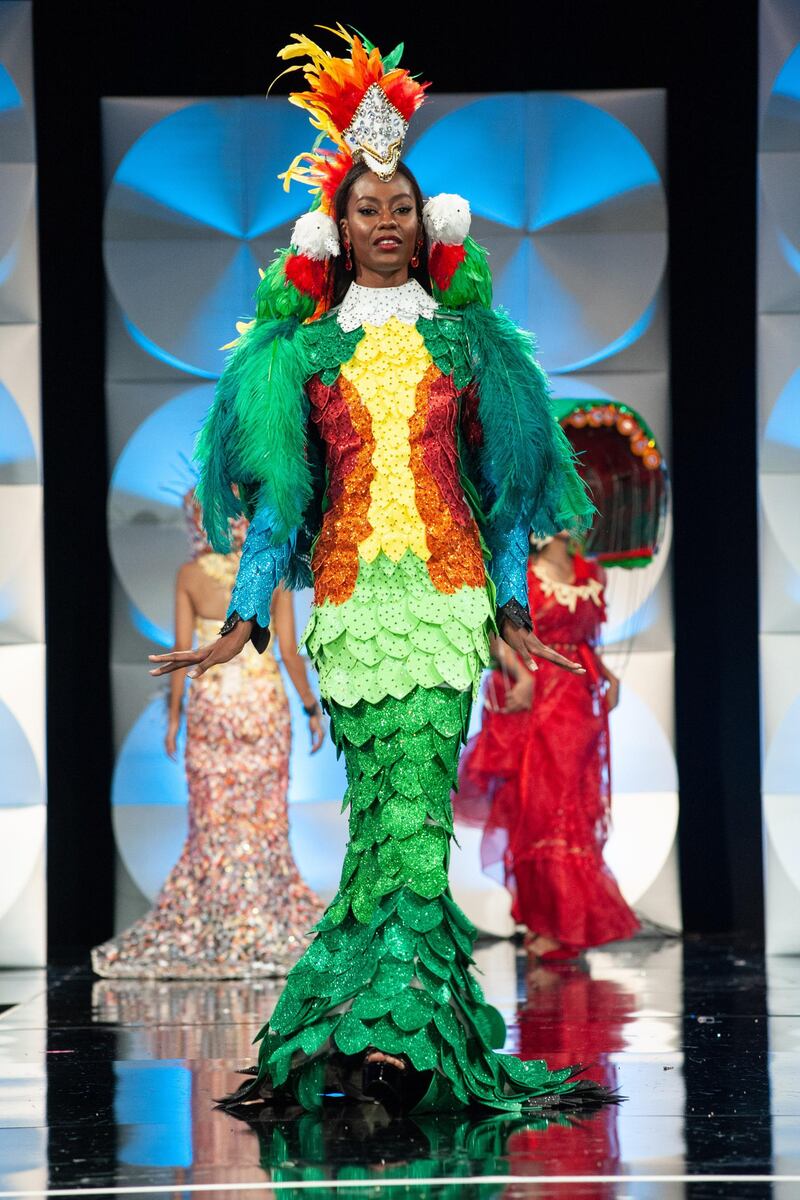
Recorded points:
(565, 1008)
(538, 781)
(381, 448)
(188, 1027)
(234, 904)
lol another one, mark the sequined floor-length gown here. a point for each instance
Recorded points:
(234, 904)
(399, 634)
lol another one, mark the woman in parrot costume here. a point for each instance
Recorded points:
(391, 439)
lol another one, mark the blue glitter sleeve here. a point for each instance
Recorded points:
(508, 565)
(508, 569)
(260, 571)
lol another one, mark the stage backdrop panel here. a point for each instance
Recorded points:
(22, 722)
(567, 193)
(779, 464)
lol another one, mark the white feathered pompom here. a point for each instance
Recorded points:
(315, 235)
(447, 218)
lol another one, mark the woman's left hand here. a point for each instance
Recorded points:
(528, 646)
(317, 727)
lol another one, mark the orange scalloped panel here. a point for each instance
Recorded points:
(346, 428)
(452, 535)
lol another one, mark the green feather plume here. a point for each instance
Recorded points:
(526, 457)
(254, 434)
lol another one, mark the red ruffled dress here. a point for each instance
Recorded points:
(538, 782)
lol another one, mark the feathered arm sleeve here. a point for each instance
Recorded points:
(522, 462)
(255, 437)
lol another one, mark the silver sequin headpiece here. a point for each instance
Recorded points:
(376, 133)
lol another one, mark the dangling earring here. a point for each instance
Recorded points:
(348, 263)
(415, 259)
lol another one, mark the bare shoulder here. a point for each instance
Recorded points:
(188, 573)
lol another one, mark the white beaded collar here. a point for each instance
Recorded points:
(375, 305)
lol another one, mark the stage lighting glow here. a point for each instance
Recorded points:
(171, 360)
(154, 458)
(213, 166)
(8, 263)
(529, 161)
(148, 629)
(637, 330)
(188, 164)
(153, 1105)
(184, 296)
(9, 93)
(783, 426)
(788, 81)
(17, 451)
(144, 774)
(789, 251)
(782, 766)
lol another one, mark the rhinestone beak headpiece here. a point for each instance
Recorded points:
(376, 133)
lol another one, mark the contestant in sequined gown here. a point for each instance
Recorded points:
(234, 904)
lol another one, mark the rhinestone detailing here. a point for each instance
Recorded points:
(376, 132)
(375, 306)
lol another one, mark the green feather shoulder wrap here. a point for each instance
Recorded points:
(526, 459)
(256, 430)
(254, 434)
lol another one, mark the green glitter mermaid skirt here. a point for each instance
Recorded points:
(389, 965)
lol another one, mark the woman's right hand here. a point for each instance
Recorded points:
(519, 696)
(199, 660)
(171, 739)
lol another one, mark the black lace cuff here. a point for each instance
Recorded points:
(259, 636)
(514, 612)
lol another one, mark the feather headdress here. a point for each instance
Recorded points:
(362, 104)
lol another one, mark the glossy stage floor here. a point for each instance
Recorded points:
(107, 1088)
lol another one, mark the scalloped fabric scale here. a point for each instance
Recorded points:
(397, 632)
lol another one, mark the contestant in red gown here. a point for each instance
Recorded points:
(537, 776)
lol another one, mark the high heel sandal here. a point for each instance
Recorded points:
(398, 1089)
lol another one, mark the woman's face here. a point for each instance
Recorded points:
(382, 225)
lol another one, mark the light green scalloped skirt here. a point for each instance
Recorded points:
(397, 632)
